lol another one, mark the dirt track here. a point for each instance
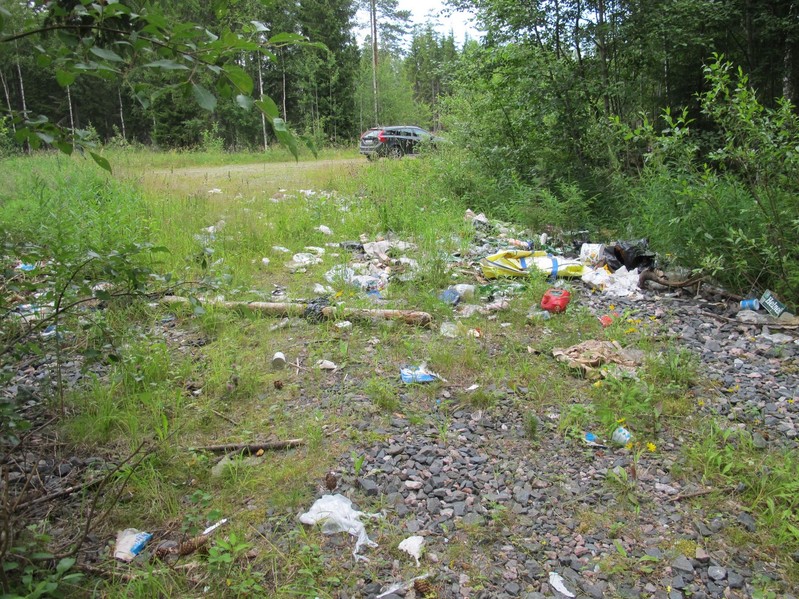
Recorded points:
(243, 178)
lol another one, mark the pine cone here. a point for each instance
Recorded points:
(424, 589)
(331, 481)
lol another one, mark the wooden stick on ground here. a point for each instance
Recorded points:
(251, 447)
(61, 493)
(329, 312)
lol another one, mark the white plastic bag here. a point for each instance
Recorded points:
(336, 515)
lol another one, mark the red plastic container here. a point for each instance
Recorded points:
(555, 300)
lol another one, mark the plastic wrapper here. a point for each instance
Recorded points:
(130, 543)
(335, 514)
(520, 263)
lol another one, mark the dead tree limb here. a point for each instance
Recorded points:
(57, 494)
(251, 447)
(283, 309)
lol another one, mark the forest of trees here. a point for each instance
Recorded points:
(322, 89)
(552, 71)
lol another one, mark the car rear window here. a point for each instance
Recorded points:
(371, 134)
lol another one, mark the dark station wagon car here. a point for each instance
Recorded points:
(394, 142)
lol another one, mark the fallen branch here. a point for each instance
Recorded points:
(698, 494)
(223, 417)
(651, 275)
(251, 447)
(57, 494)
(284, 309)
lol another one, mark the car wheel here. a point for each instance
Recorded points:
(395, 152)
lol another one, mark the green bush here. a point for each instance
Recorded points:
(725, 203)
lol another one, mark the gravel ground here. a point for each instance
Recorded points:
(512, 511)
(499, 513)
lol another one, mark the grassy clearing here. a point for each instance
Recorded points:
(178, 380)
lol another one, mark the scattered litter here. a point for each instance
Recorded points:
(302, 260)
(592, 253)
(278, 360)
(521, 244)
(518, 263)
(281, 249)
(320, 289)
(476, 333)
(621, 436)
(344, 325)
(474, 387)
(632, 254)
(336, 515)
(464, 290)
(215, 190)
(265, 261)
(772, 305)
(467, 310)
(326, 365)
(555, 300)
(449, 329)
(413, 547)
(450, 296)
(607, 319)
(557, 582)
(592, 440)
(536, 314)
(367, 277)
(324, 230)
(622, 283)
(478, 220)
(497, 305)
(26, 267)
(419, 374)
(750, 304)
(589, 355)
(130, 543)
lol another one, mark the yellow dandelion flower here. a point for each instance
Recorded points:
(631, 330)
(629, 445)
(651, 446)
(621, 420)
(612, 307)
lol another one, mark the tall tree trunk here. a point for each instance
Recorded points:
(788, 67)
(601, 42)
(24, 103)
(261, 92)
(8, 100)
(557, 29)
(374, 58)
(71, 115)
(121, 113)
(283, 65)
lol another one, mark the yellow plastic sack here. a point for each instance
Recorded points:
(518, 263)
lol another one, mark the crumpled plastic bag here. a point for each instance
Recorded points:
(622, 283)
(335, 514)
(419, 374)
(590, 355)
(519, 263)
(632, 254)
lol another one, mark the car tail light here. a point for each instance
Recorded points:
(381, 137)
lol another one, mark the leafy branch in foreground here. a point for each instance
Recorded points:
(140, 47)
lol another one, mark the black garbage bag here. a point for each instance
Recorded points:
(632, 254)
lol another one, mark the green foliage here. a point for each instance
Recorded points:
(768, 481)
(726, 205)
